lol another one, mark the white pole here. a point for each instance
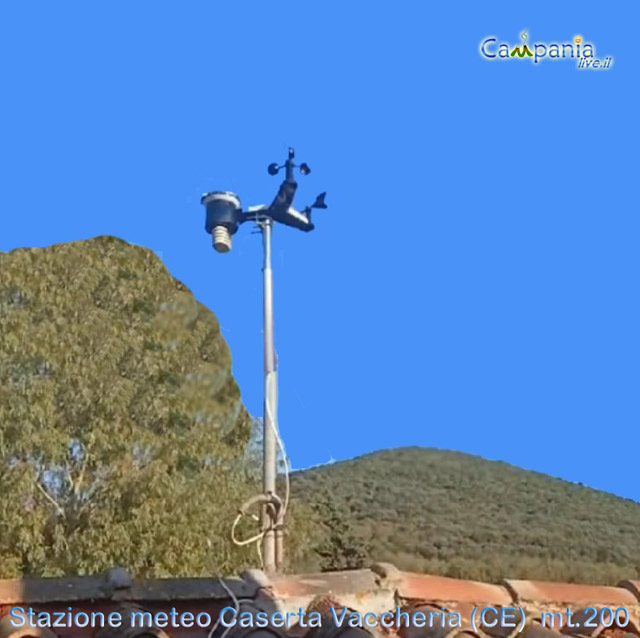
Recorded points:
(270, 418)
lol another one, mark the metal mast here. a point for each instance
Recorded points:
(224, 215)
(272, 562)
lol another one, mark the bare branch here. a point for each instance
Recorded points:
(50, 498)
(83, 468)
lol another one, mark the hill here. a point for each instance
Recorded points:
(459, 515)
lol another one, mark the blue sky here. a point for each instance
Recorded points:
(472, 286)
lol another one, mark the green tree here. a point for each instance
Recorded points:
(339, 548)
(122, 432)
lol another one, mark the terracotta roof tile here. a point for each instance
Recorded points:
(379, 589)
(442, 589)
(549, 592)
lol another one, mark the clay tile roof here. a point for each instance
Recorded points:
(442, 589)
(548, 592)
(380, 589)
(384, 586)
(344, 582)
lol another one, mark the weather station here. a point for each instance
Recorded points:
(224, 215)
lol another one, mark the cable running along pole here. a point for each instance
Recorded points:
(224, 215)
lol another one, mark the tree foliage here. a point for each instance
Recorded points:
(337, 547)
(460, 515)
(121, 427)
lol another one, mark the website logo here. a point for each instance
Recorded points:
(583, 53)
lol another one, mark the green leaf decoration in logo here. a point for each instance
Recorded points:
(521, 54)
